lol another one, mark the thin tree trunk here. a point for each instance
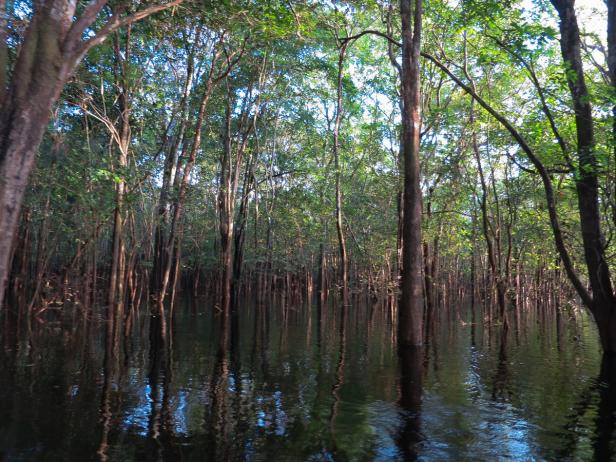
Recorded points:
(492, 255)
(118, 256)
(225, 207)
(175, 229)
(611, 66)
(229, 179)
(169, 173)
(344, 264)
(240, 233)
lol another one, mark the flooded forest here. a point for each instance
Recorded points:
(307, 230)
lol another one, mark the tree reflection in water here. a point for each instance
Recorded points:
(606, 418)
(283, 382)
(411, 389)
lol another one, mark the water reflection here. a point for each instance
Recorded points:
(606, 419)
(282, 382)
(411, 387)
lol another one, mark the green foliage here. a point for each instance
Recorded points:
(289, 51)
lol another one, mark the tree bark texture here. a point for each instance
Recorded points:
(603, 305)
(410, 317)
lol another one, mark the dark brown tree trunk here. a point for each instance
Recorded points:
(20, 260)
(26, 110)
(411, 390)
(603, 301)
(240, 233)
(428, 273)
(321, 279)
(410, 314)
(4, 55)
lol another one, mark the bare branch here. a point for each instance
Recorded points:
(371, 32)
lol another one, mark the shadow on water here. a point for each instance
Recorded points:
(596, 408)
(274, 381)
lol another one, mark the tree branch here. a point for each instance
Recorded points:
(543, 172)
(88, 16)
(78, 48)
(372, 32)
(544, 105)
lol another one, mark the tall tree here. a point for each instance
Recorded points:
(410, 322)
(344, 261)
(603, 303)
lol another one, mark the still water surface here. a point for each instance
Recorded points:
(284, 387)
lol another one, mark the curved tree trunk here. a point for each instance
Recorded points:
(603, 304)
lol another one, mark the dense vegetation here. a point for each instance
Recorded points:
(226, 146)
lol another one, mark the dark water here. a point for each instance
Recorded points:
(280, 387)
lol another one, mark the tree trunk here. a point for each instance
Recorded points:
(240, 233)
(493, 250)
(169, 174)
(411, 302)
(35, 85)
(118, 256)
(344, 264)
(611, 66)
(229, 179)
(587, 186)
(225, 207)
(176, 230)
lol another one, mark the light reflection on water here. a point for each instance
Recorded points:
(286, 388)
